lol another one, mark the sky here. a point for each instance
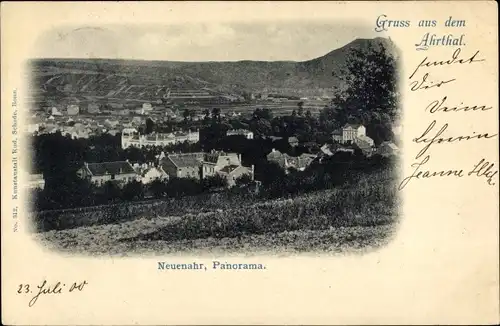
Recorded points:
(292, 40)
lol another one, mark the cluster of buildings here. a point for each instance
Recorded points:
(131, 138)
(353, 136)
(286, 161)
(184, 165)
(240, 132)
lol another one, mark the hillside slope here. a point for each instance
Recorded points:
(147, 80)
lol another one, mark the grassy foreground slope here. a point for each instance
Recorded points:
(356, 217)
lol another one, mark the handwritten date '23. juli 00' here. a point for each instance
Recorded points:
(45, 288)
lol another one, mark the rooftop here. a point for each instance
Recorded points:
(119, 167)
(186, 159)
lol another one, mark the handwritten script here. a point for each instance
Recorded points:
(436, 132)
(49, 289)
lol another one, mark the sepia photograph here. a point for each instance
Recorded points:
(275, 138)
(250, 162)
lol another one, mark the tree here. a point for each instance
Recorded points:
(216, 115)
(186, 114)
(371, 96)
(150, 125)
(158, 188)
(133, 190)
(261, 127)
(206, 112)
(300, 106)
(243, 180)
(111, 191)
(215, 182)
(265, 114)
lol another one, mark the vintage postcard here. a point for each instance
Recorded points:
(187, 163)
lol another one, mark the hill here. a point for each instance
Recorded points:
(151, 80)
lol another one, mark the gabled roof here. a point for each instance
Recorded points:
(275, 154)
(185, 159)
(119, 167)
(230, 168)
(390, 145)
(215, 156)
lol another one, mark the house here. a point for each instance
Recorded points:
(186, 165)
(93, 108)
(120, 172)
(240, 132)
(170, 113)
(73, 109)
(113, 132)
(55, 112)
(365, 146)
(136, 121)
(158, 139)
(286, 161)
(330, 150)
(337, 136)
(293, 141)
(116, 106)
(151, 173)
(232, 172)
(123, 112)
(76, 133)
(32, 128)
(147, 107)
(387, 149)
(35, 181)
(111, 123)
(354, 134)
(215, 161)
(351, 131)
(227, 165)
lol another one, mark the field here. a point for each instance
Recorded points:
(354, 218)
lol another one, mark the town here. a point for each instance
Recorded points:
(164, 156)
(145, 129)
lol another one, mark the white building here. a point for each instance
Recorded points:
(240, 132)
(150, 173)
(352, 131)
(352, 134)
(55, 112)
(35, 181)
(31, 128)
(73, 109)
(131, 138)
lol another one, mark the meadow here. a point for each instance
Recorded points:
(355, 217)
